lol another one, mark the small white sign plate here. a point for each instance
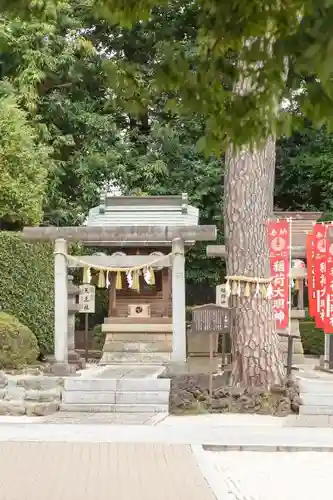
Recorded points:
(221, 296)
(87, 299)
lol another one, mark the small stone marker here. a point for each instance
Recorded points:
(221, 296)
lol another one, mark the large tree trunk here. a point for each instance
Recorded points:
(249, 183)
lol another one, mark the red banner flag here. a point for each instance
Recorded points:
(328, 321)
(279, 254)
(310, 275)
(319, 247)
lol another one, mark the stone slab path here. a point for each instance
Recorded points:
(123, 371)
(103, 471)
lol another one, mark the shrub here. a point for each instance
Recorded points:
(313, 339)
(98, 337)
(18, 345)
(26, 285)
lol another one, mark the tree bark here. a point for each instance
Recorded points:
(249, 183)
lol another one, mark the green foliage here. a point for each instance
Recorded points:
(26, 286)
(313, 339)
(326, 217)
(304, 170)
(18, 345)
(282, 48)
(24, 164)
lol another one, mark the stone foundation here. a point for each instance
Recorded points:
(298, 353)
(28, 395)
(137, 347)
(189, 394)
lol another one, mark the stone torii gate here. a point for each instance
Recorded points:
(61, 236)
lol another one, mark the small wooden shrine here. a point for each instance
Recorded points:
(139, 325)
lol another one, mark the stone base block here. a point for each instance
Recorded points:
(61, 369)
(74, 358)
(14, 408)
(316, 410)
(41, 409)
(135, 357)
(138, 337)
(135, 327)
(116, 408)
(144, 347)
(298, 353)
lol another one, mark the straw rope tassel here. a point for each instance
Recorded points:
(136, 281)
(234, 288)
(257, 292)
(227, 289)
(86, 274)
(247, 290)
(152, 276)
(119, 284)
(101, 279)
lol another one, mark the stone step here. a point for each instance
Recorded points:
(133, 358)
(137, 337)
(115, 408)
(315, 410)
(122, 384)
(315, 385)
(134, 327)
(124, 321)
(297, 347)
(144, 347)
(114, 397)
(310, 399)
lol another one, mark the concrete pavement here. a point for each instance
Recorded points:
(101, 471)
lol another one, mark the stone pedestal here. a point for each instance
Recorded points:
(146, 341)
(298, 353)
(57, 369)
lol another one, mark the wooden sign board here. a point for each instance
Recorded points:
(86, 299)
(221, 296)
(211, 318)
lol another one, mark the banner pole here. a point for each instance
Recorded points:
(290, 280)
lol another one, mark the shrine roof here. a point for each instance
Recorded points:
(143, 211)
(301, 224)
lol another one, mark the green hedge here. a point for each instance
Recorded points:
(313, 339)
(26, 285)
(18, 345)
